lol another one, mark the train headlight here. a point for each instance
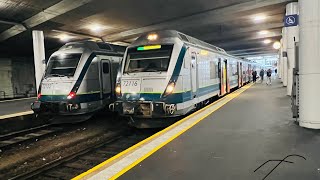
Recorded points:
(169, 89)
(118, 90)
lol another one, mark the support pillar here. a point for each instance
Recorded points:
(309, 63)
(39, 56)
(292, 37)
(280, 63)
(284, 58)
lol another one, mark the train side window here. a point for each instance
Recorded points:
(213, 69)
(105, 68)
(186, 60)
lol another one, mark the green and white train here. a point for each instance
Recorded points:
(79, 80)
(168, 74)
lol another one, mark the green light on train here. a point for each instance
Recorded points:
(144, 48)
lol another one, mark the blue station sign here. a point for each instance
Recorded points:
(291, 20)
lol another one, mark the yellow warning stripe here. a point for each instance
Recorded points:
(15, 114)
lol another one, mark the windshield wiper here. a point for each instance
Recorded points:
(54, 75)
(136, 70)
(151, 70)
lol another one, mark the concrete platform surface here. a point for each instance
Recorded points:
(15, 106)
(235, 140)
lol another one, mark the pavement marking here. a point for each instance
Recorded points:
(16, 114)
(127, 159)
(17, 99)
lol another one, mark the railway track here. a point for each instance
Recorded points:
(73, 164)
(18, 137)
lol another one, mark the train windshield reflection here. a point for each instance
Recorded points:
(63, 65)
(151, 60)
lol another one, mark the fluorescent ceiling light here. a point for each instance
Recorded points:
(277, 45)
(264, 32)
(267, 41)
(64, 37)
(259, 18)
(95, 27)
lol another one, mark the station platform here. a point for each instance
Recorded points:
(15, 107)
(230, 142)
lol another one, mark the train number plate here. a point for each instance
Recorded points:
(130, 85)
(46, 86)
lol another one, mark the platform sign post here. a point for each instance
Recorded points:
(291, 23)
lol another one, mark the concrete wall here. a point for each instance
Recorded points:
(5, 78)
(17, 77)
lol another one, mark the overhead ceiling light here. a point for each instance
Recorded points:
(152, 37)
(277, 45)
(259, 18)
(264, 32)
(64, 37)
(95, 27)
(267, 41)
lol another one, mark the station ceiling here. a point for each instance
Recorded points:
(238, 26)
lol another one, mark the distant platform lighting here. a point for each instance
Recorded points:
(267, 41)
(259, 18)
(277, 45)
(264, 32)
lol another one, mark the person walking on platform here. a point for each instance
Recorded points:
(254, 76)
(261, 75)
(269, 72)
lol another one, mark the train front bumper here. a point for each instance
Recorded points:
(144, 109)
(56, 108)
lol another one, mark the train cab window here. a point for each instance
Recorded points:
(148, 58)
(105, 68)
(63, 65)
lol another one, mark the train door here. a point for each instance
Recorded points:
(105, 78)
(193, 69)
(249, 72)
(240, 78)
(225, 72)
(222, 70)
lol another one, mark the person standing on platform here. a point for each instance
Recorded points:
(261, 75)
(269, 73)
(254, 76)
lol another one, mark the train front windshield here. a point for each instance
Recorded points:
(153, 58)
(63, 65)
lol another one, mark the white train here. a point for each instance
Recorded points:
(79, 80)
(168, 74)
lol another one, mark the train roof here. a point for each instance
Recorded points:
(187, 39)
(183, 37)
(94, 46)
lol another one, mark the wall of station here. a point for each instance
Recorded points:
(16, 77)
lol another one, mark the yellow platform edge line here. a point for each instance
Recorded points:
(11, 100)
(15, 115)
(119, 155)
